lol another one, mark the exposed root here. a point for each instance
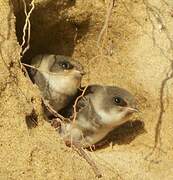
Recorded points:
(52, 111)
(161, 26)
(105, 26)
(75, 104)
(27, 65)
(82, 153)
(162, 110)
(27, 27)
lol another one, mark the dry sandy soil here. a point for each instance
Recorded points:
(129, 45)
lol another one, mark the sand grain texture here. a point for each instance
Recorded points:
(136, 54)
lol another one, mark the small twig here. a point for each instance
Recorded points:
(52, 111)
(27, 27)
(27, 65)
(83, 154)
(76, 34)
(75, 104)
(33, 67)
(24, 69)
(105, 26)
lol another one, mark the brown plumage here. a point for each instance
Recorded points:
(102, 109)
(58, 78)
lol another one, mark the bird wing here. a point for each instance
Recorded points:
(85, 104)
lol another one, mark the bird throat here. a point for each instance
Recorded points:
(64, 85)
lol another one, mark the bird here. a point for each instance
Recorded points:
(58, 78)
(99, 111)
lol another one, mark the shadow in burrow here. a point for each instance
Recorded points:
(123, 134)
(51, 32)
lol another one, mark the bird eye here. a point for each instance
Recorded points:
(65, 65)
(119, 101)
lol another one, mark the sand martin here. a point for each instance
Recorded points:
(58, 78)
(99, 111)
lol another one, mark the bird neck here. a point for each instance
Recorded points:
(61, 84)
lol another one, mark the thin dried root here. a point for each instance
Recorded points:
(30, 66)
(83, 154)
(105, 26)
(53, 112)
(27, 27)
(75, 104)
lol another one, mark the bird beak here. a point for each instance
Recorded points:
(132, 110)
(79, 72)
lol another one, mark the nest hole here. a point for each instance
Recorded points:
(52, 30)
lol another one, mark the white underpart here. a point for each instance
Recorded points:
(112, 118)
(61, 84)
